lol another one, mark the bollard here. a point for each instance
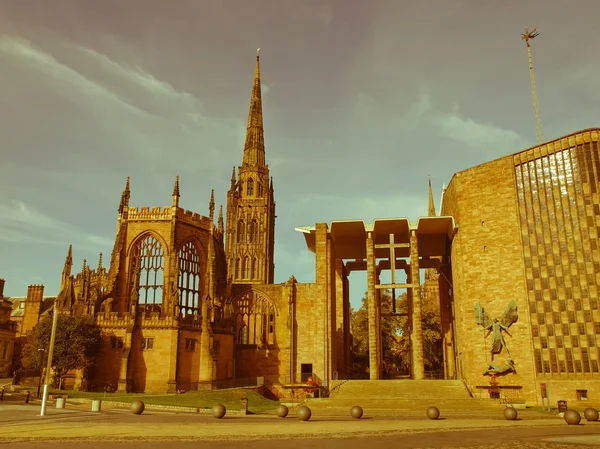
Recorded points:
(60, 402)
(244, 405)
(27, 397)
(96, 405)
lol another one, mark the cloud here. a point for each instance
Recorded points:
(481, 136)
(23, 224)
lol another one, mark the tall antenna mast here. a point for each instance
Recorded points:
(539, 131)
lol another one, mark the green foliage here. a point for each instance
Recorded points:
(76, 346)
(395, 332)
(390, 332)
(432, 336)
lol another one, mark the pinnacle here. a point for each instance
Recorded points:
(176, 186)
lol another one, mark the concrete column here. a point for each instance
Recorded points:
(347, 336)
(446, 323)
(338, 331)
(323, 270)
(378, 319)
(417, 330)
(374, 336)
(409, 311)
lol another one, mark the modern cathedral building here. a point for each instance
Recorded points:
(513, 263)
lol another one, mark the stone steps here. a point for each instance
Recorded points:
(407, 396)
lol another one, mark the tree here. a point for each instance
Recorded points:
(395, 331)
(76, 346)
(390, 334)
(432, 336)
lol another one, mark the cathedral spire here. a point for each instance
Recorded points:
(431, 212)
(220, 225)
(125, 197)
(254, 148)
(68, 264)
(176, 192)
(211, 205)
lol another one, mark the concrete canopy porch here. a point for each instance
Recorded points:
(384, 244)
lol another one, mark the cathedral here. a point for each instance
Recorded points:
(513, 263)
(185, 302)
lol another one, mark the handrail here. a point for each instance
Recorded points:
(468, 387)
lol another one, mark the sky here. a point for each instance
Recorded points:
(362, 101)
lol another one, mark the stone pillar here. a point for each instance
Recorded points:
(323, 270)
(417, 330)
(446, 323)
(378, 320)
(338, 331)
(409, 310)
(206, 360)
(347, 336)
(374, 337)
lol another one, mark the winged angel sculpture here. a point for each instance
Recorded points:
(497, 327)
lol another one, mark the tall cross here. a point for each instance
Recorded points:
(392, 247)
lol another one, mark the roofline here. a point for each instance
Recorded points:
(566, 136)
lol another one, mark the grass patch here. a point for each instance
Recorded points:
(200, 399)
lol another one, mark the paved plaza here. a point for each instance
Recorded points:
(22, 427)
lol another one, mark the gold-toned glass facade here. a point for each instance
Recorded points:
(559, 210)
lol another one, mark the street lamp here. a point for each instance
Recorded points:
(49, 363)
(40, 378)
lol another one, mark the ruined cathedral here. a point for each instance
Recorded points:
(186, 302)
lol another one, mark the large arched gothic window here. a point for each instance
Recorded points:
(241, 231)
(188, 284)
(250, 187)
(148, 275)
(255, 320)
(254, 231)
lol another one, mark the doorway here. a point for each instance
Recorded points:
(306, 371)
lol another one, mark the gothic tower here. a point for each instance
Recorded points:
(250, 234)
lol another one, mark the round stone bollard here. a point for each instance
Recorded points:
(218, 411)
(96, 405)
(282, 411)
(60, 402)
(510, 413)
(356, 412)
(137, 407)
(303, 413)
(572, 417)
(433, 413)
(591, 414)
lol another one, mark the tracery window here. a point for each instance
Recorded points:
(250, 187)
(188, 283)
(246, 267)
(254, 231)
(241, 231)
(253, 268)
(148, 266)
(260, 190)
(255, 320)
(238, 268)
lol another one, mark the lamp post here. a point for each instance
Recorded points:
(40, 378)
(49, 363)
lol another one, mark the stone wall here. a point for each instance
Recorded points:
(487, 267)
